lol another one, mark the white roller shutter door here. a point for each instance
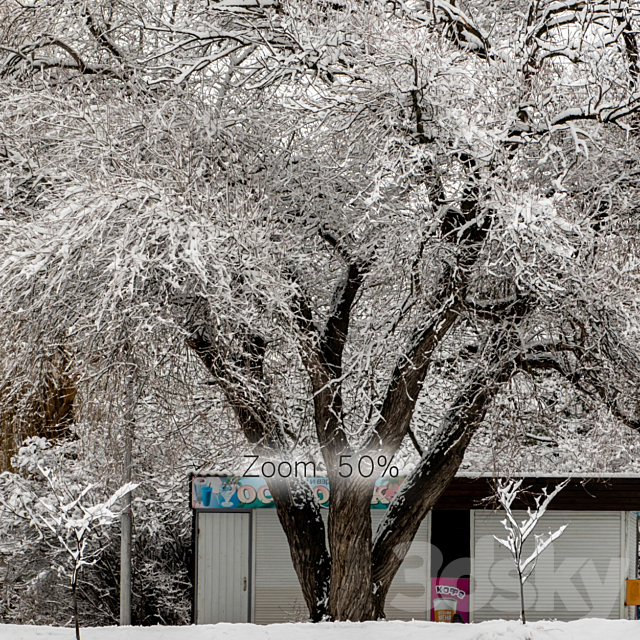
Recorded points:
(278, 596)
(578, 576)
(632, 554)
(408, 597)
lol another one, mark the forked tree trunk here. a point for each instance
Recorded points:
(352, 582)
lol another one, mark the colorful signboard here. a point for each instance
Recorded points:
(236, 492)
(449, 596)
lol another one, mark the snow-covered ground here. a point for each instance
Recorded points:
(588, 629)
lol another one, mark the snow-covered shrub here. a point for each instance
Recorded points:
(32, 569)
(161, 584)
(162, 592)
(34, 587)
(65, 514)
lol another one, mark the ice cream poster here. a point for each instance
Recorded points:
(449, 598)
(230, 492)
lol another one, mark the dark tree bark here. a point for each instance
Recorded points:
(299, 515)
(350, 538)
(74, 590)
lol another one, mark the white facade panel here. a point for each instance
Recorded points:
(408, 597)
(278, 596)
(577, 576)
(631, 543)
(223, 569)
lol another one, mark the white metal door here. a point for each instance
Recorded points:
(223, 574)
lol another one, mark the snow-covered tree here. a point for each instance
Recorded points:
(66, 516)
(360, 218)
(506, 493)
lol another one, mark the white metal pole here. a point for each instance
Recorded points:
(126, 518)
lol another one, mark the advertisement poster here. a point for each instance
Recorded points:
(236, 492)
(449, 596)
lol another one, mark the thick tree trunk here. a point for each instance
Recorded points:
(350, 538)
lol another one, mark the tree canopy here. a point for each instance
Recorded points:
(355, 215)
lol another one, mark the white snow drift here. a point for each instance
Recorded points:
(586, 629)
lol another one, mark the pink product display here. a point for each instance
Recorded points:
(449, 596)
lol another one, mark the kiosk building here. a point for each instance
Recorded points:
(243, 570)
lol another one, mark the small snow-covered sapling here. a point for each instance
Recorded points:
(506, 493)
(68, 516)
